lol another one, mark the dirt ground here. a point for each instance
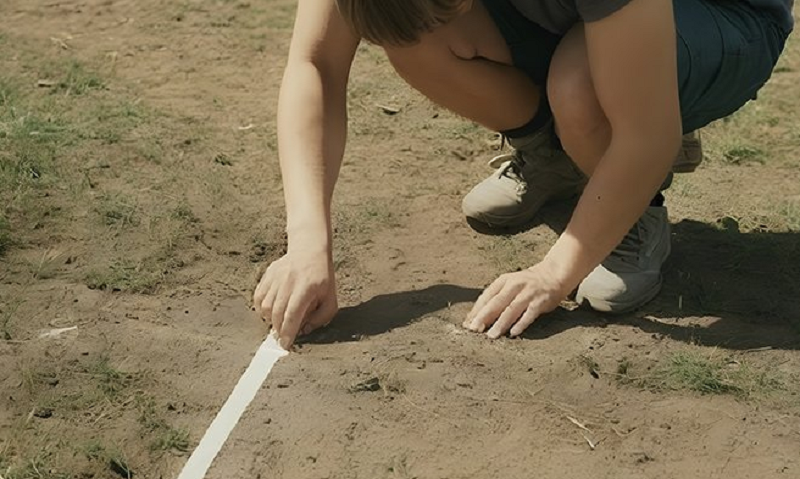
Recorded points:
(140, 196)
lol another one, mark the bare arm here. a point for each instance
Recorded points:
(298, 293)
(312, 119)
(632, 61)
(633, 64)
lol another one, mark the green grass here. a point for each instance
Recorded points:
(164, 437)
(43, 135)
(54, 148)
(7, 315)
(169, 439)
(740, 155)
(127, 276)
(72, 77)
(109, 380)
(712, 374)
(28, 146)
(699, 373)
(47, 267)
(5, 235)
(788, 210)
(101, 383)
(9, 92)
(183, 213)
(110, 457)
(151, 150)
(118, 211)
(32, 134)
(38, 467)
(113, 122)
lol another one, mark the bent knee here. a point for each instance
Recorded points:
(574, 102)
(570, 89)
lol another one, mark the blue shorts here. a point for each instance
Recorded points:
(726, 52)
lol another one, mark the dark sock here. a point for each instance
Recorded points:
(540, 119)
(658, 200)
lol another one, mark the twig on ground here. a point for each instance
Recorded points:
(61, 43)
(592, 445)
(757, 350)
(578, 423)
(389, 110)
(620, 433)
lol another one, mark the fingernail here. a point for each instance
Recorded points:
(285, 343)
(481, 328)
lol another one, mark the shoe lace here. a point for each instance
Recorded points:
(510, 165)
(631, 246)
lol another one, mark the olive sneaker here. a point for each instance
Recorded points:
(691, 154)
(535, 172)
(631, 275)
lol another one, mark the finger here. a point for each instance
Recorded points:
(320, 317)
(296, 310)
(491, 291)
(261, 290)
(530, 315)
(485, 297)
(268, 303)
(279, 305)
(507, 319)
(494, 308)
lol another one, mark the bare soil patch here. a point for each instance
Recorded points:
(140, 195)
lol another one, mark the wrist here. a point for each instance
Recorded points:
(309, 244)
(555, 273)
(565, 264)
(313, 235)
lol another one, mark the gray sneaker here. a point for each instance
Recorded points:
(537, 172)
(524, 180)
(631, 275)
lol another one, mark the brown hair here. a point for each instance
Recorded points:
(396, 22)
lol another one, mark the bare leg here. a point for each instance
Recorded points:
(582, 126)
(466, 67)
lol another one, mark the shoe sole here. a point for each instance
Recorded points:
(498, 222)
(616, 307)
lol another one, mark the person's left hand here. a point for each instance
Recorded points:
(514, 301)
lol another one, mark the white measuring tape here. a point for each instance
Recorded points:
(217, 433)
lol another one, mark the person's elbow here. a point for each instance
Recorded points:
(656, 136)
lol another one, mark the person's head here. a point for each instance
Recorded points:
(398, 22)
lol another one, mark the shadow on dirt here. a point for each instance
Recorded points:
(388, 311)
(750, 281)
(721, 288)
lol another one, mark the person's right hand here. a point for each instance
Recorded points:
(297, 294)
